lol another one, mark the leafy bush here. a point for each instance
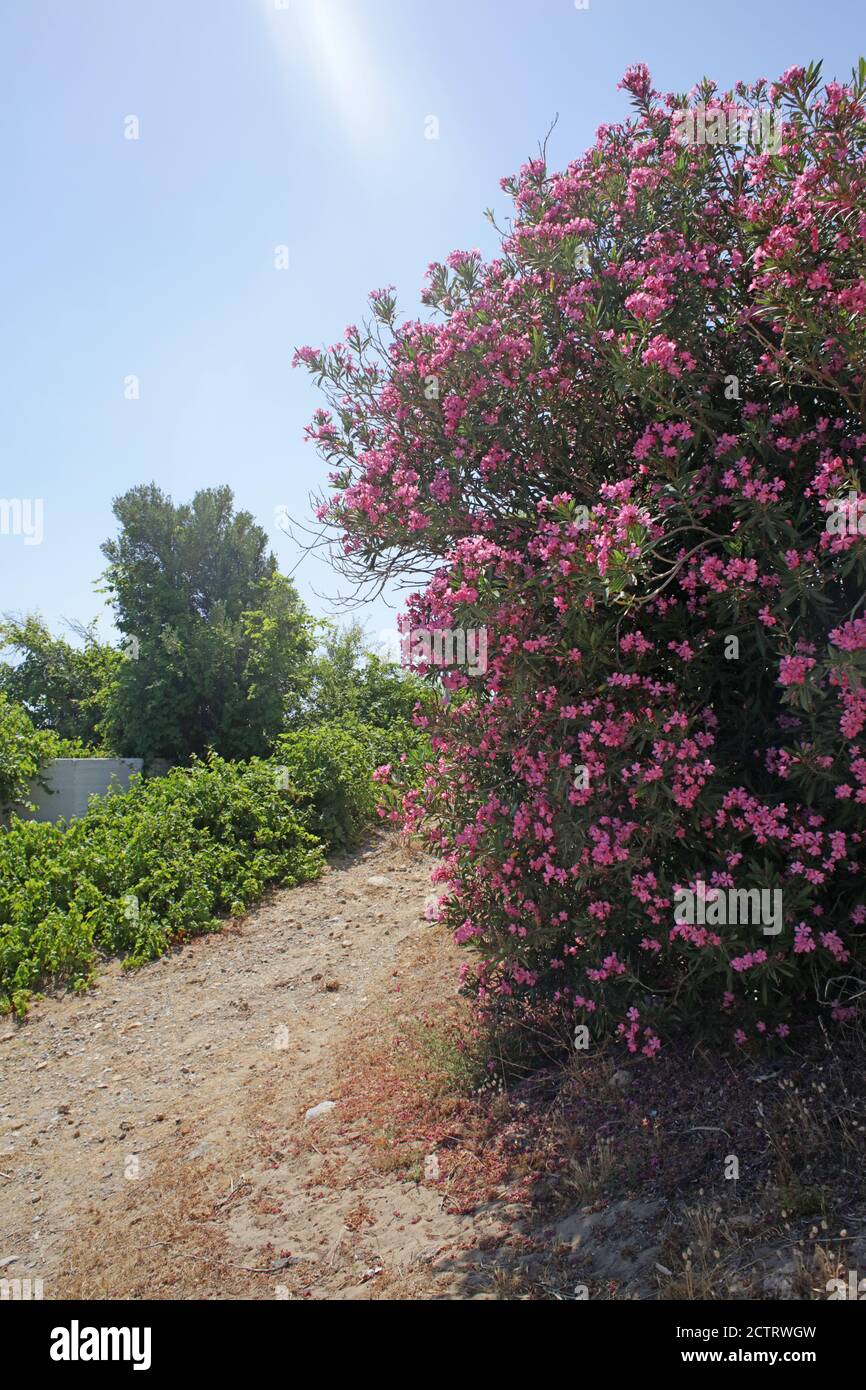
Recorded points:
(346, 679)
(23, 751)
(632, 448)
(330, 766)
(72, 748)
(142, 869)
(400, 745)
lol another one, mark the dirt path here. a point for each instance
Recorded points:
(153, 1132)
(155, 1139)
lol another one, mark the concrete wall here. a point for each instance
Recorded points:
(72, 781)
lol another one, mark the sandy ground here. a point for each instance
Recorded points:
(154, 1140)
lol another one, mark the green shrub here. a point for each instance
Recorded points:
(142, 869)
(73, 748)
(23, 751)
(147, 867)
(349, 680)
(396, 743)
(331, 766)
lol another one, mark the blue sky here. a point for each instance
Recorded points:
(266, 123)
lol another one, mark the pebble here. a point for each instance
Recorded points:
(321, 1109)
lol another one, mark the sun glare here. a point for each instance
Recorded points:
(323, 38)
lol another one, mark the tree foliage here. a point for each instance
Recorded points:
(63, 687)
(218, 641)
(347, 679)
(24, 750)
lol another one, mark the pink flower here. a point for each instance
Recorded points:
(793, 669)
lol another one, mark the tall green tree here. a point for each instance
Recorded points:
(63, 687)
(218, 641)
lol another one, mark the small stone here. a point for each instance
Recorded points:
(321, 1109)
(378, 881)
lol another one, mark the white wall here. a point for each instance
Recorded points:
(73, 781)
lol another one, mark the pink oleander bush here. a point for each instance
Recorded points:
(622, 447)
